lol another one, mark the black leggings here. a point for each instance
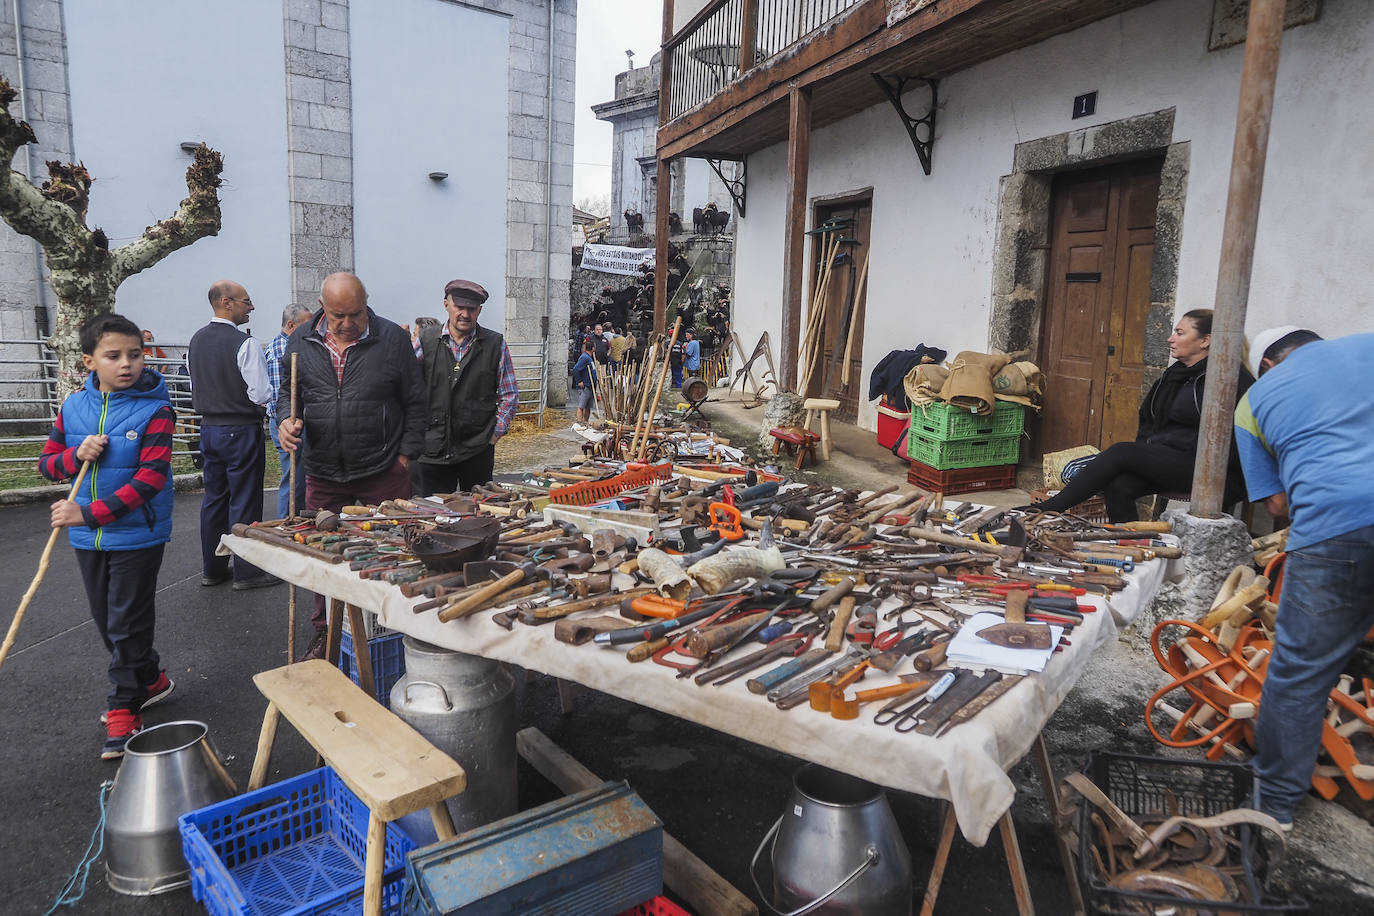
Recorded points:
(1122, 474)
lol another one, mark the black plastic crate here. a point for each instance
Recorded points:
(1149, 785)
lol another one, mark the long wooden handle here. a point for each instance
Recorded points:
(291, 513)
(1016, 606)
(474, 602)
(42, 571)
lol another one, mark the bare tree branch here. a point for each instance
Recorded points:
(57, 227)
(197, 217)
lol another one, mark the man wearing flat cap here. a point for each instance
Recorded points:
(472, 393)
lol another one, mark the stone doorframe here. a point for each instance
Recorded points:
(1022, 246)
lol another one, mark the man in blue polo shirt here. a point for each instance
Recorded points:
(1306, 441)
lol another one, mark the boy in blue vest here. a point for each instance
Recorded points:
(121, 518)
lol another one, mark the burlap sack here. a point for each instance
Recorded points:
(923, 383)
(970, 381)
(1021, 383)
(1054, 462)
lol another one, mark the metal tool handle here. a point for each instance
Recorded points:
(870, 859)
(448, 704)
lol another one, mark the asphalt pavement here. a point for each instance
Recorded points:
(716, 794)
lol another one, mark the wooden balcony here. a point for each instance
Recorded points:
(727, 73)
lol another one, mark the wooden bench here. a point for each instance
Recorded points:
(391, 767)
(821, 407)
(797, 440)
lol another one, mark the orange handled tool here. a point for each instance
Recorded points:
(727, 521)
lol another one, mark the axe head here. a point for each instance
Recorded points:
(1017, 635)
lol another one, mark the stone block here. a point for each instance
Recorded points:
(40, 44)
(316, 251)
(304, 165)
(44, 16)
(527, 191)
(300, 34)
(527, 263)
(297, 115)
(338, 94)
(324, 219)
(520, 237)
(314, 63)
(327, 142)
(526, 170)
(49, 75)
(305, 88)
(521, 59)
(331, 41)
(336, 168)
(524, 81)
(321, 191)
(526, 103)
(331, 118)
(307, 11)
(521, 148)
(334, 15)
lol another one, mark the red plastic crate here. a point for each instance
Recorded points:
(962, 480)
(892, 424)
(658, 906)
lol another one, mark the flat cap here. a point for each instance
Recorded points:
(465, 289)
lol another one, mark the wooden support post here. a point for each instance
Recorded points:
(662, 203)
(1011, 850)
(1259, 73)
(937, 869)
(749, 21)
(374, 864)
(362, 654)
(794, 230)
(706, 892)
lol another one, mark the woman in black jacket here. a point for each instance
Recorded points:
(1161, 458)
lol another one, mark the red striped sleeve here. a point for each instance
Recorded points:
(57, 462)
(154, 468)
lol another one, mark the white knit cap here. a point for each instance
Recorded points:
(1263, 341)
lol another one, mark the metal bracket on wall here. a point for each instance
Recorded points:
(893, 89)
(736, 185)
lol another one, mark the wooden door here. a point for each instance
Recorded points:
(1098, 299)
(844, 321)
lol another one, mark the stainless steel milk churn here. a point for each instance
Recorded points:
(836, 850)
(465, 706)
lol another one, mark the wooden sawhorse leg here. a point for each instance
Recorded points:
(1010, 848)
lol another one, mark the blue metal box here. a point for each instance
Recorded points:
(596, 853)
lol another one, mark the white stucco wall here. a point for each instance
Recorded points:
(413, 234)
(930, 277)
(141, 83)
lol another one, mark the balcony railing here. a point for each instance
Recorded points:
(729, 37)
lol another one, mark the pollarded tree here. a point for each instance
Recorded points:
(85, 272)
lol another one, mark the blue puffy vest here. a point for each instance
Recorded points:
(123, 416)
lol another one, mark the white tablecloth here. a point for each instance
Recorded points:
(967, 765)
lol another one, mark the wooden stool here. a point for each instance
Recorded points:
(798, 440)
(821, 406)
(386, 763)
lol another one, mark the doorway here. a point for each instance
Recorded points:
(844, 313)
(1093, 346)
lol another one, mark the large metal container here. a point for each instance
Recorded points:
(465, 706)
(167, 770)
(836, 850)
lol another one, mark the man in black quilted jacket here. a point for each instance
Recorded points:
(362, 402)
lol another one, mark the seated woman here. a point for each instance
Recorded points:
(1160, 460)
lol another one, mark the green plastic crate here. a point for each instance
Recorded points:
(945, 422)
(963, 453)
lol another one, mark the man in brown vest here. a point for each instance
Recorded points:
(472, 393)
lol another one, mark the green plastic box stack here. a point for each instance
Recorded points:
(945, 437)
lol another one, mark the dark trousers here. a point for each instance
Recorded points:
(462, 475)
(234, 467)
(1129, 470)
(393, 483)
(121, 586)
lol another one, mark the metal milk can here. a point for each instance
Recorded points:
(167, 770)
(465, 706)
(836, 850)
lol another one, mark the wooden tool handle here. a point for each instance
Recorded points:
(646, 650)
(587, 604)
(834, 640)
(1016, 606)
(266, 535)
(842, 588)
(1158, 527)
(703, 643)
(464, 606)
(933, 657)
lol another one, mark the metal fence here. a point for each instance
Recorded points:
(28, 398)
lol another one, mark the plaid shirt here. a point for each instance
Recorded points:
(338, 355)
(276, 351)
(507, 387)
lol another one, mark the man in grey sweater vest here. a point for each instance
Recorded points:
(229, 386)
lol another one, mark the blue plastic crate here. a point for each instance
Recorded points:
(388, 663)
(296, 847)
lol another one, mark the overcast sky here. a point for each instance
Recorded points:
(606, 29)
